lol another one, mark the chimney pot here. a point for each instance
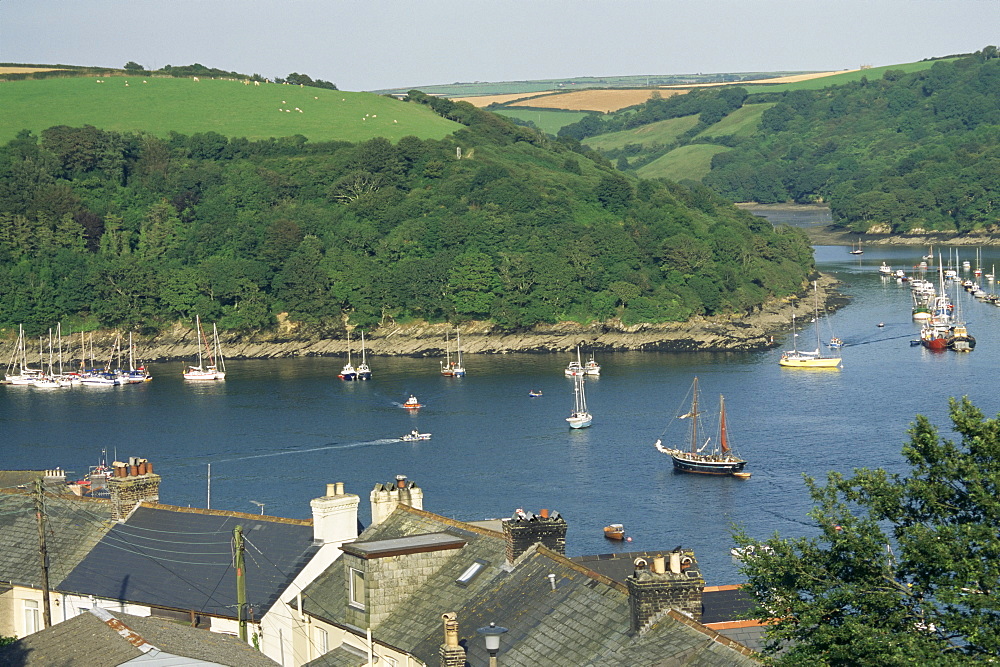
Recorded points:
(544, 514)
(339, 488)
(331, 489)
(133, 471)
(400, 481)
(149, 467)
(659, 564)
(675, 562)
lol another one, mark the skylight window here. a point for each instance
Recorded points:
(471, 573)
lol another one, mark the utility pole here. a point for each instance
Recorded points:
(43, 554)
(241, 582)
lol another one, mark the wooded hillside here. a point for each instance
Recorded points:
(128, 230)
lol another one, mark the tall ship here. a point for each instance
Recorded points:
(714, 456)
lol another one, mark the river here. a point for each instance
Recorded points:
(277, 431)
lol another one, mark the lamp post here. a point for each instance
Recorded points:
(260, 505)
(492, 634)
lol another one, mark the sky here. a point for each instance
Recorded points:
(378, 44)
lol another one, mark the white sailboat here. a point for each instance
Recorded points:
(458, 370)
(49, 380)
(24, 375)
(447, 368)
(580, 417)
(348, 373)
(201, 372)
(575, 367)
(796, 358)
(364, 372)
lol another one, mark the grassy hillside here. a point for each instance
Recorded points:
(741, 123)
(691, 162)
(661, 133)
(547, 121)
(230, 108)
(840, 79)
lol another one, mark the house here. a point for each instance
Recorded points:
(134, 555)
(414, 577)
(99, 638)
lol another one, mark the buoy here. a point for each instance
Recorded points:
(628, 539)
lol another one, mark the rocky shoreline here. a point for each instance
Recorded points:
(752, 332)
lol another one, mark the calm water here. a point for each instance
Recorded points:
(278, 431)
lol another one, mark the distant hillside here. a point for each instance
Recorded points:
(163, 105)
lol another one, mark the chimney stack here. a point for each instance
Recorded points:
(385, 497)
(652, 591)
(452, 654)
(335, 515)
(132, 483)
(525, 529)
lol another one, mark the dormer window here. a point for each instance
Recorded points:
(357, 579)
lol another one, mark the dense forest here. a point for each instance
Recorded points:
(904, 153)
(101, 229)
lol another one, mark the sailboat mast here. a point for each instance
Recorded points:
(694, 418)
(723, 438)
(363, 358)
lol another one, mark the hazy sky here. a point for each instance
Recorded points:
(391, 43)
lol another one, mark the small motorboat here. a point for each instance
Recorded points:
(835, 342)
(615, 531)
(880, 325)
(413, 436)
(412, 403)
(535, 393)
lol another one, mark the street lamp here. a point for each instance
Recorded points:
(492, 634)
(260, 505)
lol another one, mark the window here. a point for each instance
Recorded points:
(357, 588)
(470, 573)
(322, 641)
(31, 621)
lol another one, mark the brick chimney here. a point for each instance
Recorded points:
(130, 484)
(652, 591)
(385, 497)
(525, 529)
(452, 653)
(335, 515)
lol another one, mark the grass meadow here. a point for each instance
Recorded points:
(659, 133)
(871, 74)
(547, 121)
(740, 123)
(230, 108)
(691, 162)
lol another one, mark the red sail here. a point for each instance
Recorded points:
(722, 425)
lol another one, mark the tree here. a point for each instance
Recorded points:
(133, 66)
(905, 568)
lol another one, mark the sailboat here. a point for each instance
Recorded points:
(364, 372)
(575, 367)
(458, 369)
(25, 375)
(857, 250)
(447, 369)
(796, 358)
(710, 458)
(348, 372)
(201, 371)
(49, 380)
(580, 417)
(218, 361)
(937, 330)
(135, 375)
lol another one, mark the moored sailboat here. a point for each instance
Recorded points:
(364, 372)
(796, 358)
(711, 458)
(575, 367)
(212, 371)
(580, 417)
(348, 372)
(24, 375)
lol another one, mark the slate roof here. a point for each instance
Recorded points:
(181, 558)
(73, 526)
(584, 621)
(89, 640)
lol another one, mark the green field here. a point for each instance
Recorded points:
(740, 123)
(687, 163)
(546, 120)
(840, 79)
(230, 108)
(660, 133)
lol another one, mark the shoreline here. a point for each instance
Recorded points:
(749, 333)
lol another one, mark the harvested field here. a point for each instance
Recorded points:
(597, 100)
(27, 70)
(486, 100)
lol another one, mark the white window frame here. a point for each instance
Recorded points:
(357, 598)
(321, 641)
(32, 618)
